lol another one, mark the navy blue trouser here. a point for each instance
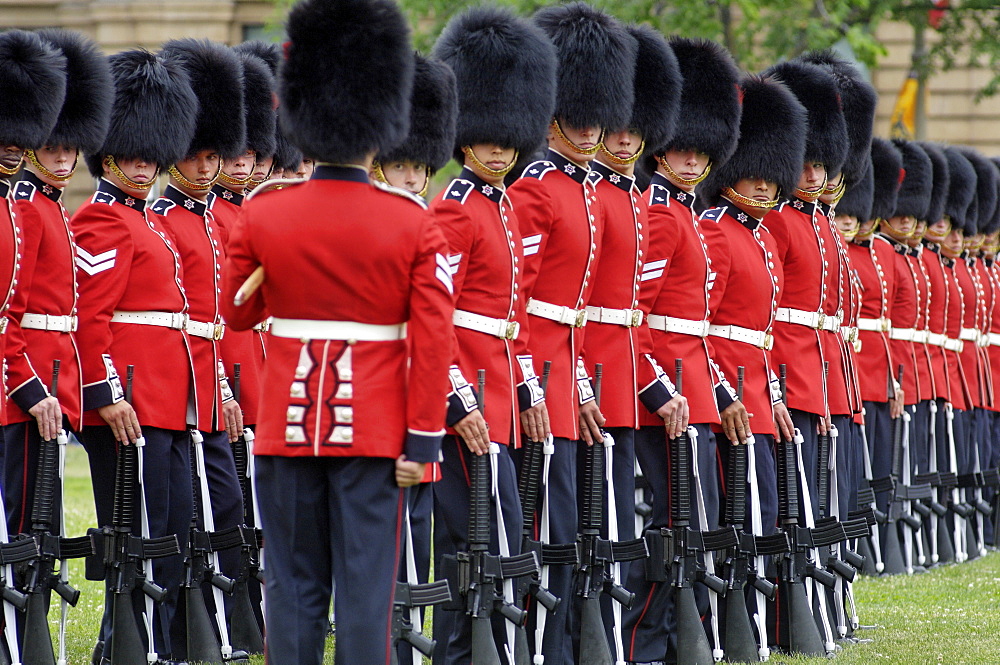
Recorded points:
(334, 518)
(420, 500)
(453, 629)
(920, 437)
(167, 484)
(807, 424)
(844, 463)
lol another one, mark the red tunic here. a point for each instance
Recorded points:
(676, 282)
(338, 249)
(841, 391)
(985, 290)
(245, 347)
(485, 257)
(971, 362)
(805, 259)
(921, 347)
(903, 313)
(10, 272)
(961, 393)
(199, 243)
(561, 223)
(994, 332)
(873, 259)
(629, 376)
(936, 314)
(127, 263)
(748, 283)
(47, 286)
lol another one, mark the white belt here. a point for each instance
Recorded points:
(339, 330)
(674, 325)
(630, 318)
(936, 339)
(881, 324)
(214, 331)
(172, 320)
(52, 322)
(814, 320)
(501, 328)
(567, 316)
(955, 345)
(920, 336)
(902, 334)
(968, 334)
(994, 338)
(759, 338)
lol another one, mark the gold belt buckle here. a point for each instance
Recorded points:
(821, 322)
(3, 324)
(768, 341)
(511, 330)
(886, 324)
(636, 319)
(581, 318)
(218, 330)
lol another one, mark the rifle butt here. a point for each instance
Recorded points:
(245, 633)
(522, 652)
(803, 633)
(484, 649)
(594, 648)
(37, 646)
(202, 644)
(692, 642)
(946, 551)
(738, 639)
(126, 645)
(892, 551)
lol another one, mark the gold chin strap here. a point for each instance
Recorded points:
(838, 191)
(614, 159)
(690, 182)
(110, 162)
(858, 235)
(235, 182)
(173, 170)
(731, 194)
(378, 173)
(557, 129)
(493, 173)
(33, 158)
(4, 171)
(811, 196)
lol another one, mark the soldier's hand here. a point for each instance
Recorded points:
(896, 404)
(408, 473)
(49, 417)
(783, 421)
(675, 416)
(474, 432)
(591, 422)
(735, 423)
(124, 424)
(535, 422)
(824, 424)
(232, 414)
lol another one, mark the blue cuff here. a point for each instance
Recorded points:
(654, 396)
(423, 447)
(29, 394)
(458, 408)
(723, 398)
(101, 394)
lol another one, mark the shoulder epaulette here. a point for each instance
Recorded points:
(459, 190)
(24, 191)
(402, 193)
(161, 206)
(538, 170)
(713, 214)
(273, 185)
(103, 197)
(659, 195)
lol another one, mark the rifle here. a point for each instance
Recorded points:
(937, 532)
(121, 559)
(674, 552)
(476, 577)
(20, 551)
(868, 509)
(799, 629)
(42, 577)
(247, 635)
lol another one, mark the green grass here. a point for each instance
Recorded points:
(950, 615)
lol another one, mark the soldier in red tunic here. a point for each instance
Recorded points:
(43, 311)
(561, 222)
(355, 382)
(487, 262)
(675, 282)
(127, 265)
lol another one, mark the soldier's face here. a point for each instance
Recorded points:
(847, 225)
(624, 144)
(305, 170)
(757, 189)
(136, 170)
(58, 160)
(901, 226)
(918, 233)
(954, 243)
(240, 168)
(813, 177)
(409, 175)
(688, 164)
(262, 168)
(938, 231)
(584, 138)
(829, 194)
(11, 156)
(866, 229)
(494, 157)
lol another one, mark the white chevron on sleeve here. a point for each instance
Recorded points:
(95, 263)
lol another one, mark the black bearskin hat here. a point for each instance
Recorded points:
(658, 84)
(915, 191)
(217, 80)
(772, 138)
(32, 86)
(346, 80)
(816, 88)
(505, 68)
(596, 70)
(961, 190)
(986, 189)
(83, 121)
(285, 154)
(857, 200)
(154, 111)
(858, 100)
(940, 181)
(887, 170)
(994, 225)
(258, 104)
(433, 111)
(709, 118)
